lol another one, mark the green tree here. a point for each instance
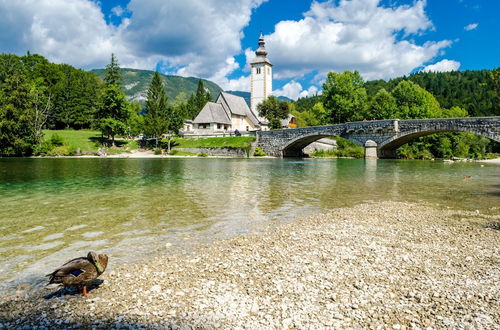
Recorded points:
(382, 106)
(197, 101)
(112, 75)
(75, 98)
(414, 102)
(274, 110)
(155, 119)
(344, 96)
(23, 112)
(455, 112)
(113, 112)
(175, 116)
(135, 122)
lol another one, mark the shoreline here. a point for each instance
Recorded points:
(150, 154)
(388, 264)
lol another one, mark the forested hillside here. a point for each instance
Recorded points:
(136, 82)
(475, 91)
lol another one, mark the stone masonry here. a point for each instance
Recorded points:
(380, 138)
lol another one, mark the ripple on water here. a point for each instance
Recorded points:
(76, 227)
(53, 236)
(92, 234)
(45, 246)
(37, 228)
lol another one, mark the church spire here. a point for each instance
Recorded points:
(261, 53)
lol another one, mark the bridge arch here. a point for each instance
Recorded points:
(387, 148)
(294, 146)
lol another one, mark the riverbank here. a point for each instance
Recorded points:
(388, 264)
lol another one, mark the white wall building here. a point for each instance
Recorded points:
(261, 78)
(230, 112)
(224, 116)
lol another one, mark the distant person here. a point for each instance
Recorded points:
(237, 133)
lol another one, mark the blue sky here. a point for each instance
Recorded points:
(215, 39)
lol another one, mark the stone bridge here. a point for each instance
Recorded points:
(380, 138)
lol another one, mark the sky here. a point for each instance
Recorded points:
(216, 39)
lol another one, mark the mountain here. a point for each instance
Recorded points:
(136, 84)
(246, 96)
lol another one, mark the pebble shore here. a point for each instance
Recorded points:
(376, 265)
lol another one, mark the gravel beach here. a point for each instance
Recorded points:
(376, 265)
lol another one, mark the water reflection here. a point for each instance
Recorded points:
(53, 209)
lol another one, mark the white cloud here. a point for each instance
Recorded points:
(197, 37)
(354, 35)
(293, 90)
(471, 26)
(189, 37)
(73, 32)
(442, 66)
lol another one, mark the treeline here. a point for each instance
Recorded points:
(36, 94)
(346, 97)
(476, 91)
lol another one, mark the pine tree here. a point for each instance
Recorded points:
(197, 101)
(113, 112)
(112, 75)
(155, 119)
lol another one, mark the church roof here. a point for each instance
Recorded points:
(212, 113)
(236, 104)
(261, 53)
(220, 112)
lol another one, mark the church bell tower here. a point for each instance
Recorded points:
(261, 79)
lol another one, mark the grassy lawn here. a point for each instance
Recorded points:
(86, 140)
(215, 142)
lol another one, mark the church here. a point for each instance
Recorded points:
(230, 112)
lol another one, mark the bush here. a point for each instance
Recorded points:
(63, 151)
(43, 148)
(259, 152)
(202, 154)
(56, 140)
(157, 152)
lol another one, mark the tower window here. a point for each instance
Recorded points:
(258, 70)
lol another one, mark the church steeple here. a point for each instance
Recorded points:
(261, 53)
(261, 79)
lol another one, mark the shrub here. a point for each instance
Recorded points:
(43, 148)
(157, 151)
(202, 154)
(56, 140)
(259, 152)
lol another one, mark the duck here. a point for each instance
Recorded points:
(79, 271)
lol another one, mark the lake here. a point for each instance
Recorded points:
(52, 210)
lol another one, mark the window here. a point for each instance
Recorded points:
(218, 126)
(269, 70)
(247, 128)
(258, 70)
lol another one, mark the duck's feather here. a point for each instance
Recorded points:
(74, 272)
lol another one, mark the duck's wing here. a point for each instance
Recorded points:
(71, 271)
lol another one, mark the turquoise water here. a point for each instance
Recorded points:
(55, 209)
